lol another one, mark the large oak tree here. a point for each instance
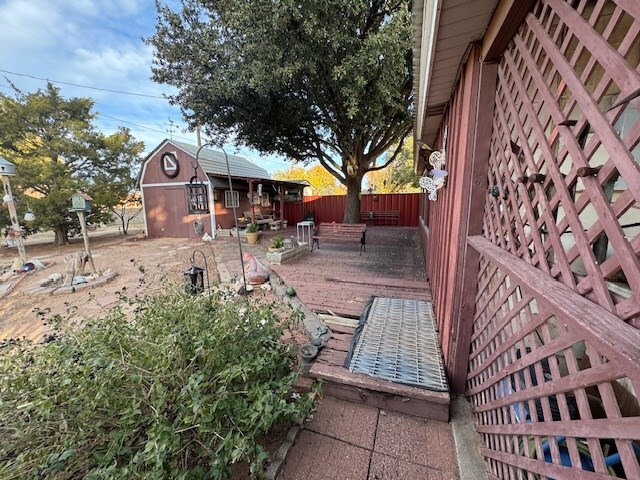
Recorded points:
(326, 80)
(57, 150)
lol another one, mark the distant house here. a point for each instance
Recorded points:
(186, 198)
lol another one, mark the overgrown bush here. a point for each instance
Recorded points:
(181, 391)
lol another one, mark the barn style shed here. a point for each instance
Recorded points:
(186, 193)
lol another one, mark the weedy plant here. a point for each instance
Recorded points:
(182, 390)
(277, 241)
(252, 228)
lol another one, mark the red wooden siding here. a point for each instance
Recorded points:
(165, 205)
(166, 208)
(330, 208)
(449, 219)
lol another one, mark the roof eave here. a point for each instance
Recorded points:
(425, 13)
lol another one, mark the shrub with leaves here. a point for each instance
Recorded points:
(181, 391)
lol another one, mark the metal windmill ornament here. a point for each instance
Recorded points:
(435, 178)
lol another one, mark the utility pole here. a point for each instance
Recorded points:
(170, 129)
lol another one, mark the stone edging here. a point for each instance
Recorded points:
(13, 285)
(311, 323)
(43, 286)
(276, 465)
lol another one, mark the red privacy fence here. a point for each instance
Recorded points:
(330, 208)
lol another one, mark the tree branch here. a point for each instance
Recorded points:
(393, 157)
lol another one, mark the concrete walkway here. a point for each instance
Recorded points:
(349, 441)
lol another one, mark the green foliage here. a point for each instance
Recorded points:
(252, 228)
(56, 149)
(322, 182)
(181, 391)
(399, 176)
(277, 241)
(325, 80)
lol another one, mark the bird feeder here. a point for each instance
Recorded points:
(194, 280)
(81, 202)
(7, 168)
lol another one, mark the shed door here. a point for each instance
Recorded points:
(166, 212)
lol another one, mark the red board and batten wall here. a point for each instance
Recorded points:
(330, 208)
(452, 217)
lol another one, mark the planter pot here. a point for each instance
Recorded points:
(252, 237)
(308, 352)
(284, 254)
(275, 249)
(319, 343)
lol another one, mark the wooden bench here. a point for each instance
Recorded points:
(340, 233)
(381, 217)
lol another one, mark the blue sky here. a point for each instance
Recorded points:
(96, 43)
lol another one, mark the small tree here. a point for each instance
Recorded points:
(123, 210)
(312, 80)
(57, 151)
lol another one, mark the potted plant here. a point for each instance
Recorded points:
(252, 232)
(277, 243)
(308, 216)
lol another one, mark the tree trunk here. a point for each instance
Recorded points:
(125, 225)
(62, 235)
(352, 210)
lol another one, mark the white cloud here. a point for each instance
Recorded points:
(95, 43)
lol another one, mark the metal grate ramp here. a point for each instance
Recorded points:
(399, 342)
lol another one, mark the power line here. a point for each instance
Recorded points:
(121, 92)
(142, 126)
(251, 158)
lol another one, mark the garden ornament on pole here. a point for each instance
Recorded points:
(233, 207)
(434, 180)
(8, 169)
(81, 204)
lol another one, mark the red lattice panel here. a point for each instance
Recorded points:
(565, 150)
(553, 398)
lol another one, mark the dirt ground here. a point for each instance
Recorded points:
(141, 264)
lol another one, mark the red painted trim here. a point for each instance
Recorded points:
(469, 259)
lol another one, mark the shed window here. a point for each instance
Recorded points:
(197, 199)
(231, 201)
(265, 200)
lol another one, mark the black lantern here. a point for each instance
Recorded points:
(194, 280)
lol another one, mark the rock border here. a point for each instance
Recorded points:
(276, 465)
(43, 287)
(312, 324)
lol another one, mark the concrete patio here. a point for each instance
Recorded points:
(347, 440)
